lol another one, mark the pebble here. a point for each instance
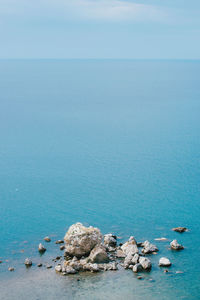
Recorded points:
(39, 265)
(59, 242)
(49, 266)
(41, 248)
(28, 262)
(47, 239)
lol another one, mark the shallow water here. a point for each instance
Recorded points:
(113, 144)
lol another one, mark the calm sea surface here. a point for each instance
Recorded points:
(114, 144)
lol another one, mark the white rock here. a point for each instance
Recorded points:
(164, 262)
(110, 240)
(41, 248)
(130, 247)
(136, 268)
(58, 268)
(175, 245)
(28, 262)
(149, 248)
(80, 240)
(145, 263)
(98, 255)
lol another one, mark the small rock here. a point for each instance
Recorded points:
(161, 239)
(59, 242)
(110, 240)
(58, 268)
(28, 262)
(179, 272)
(149, 248)
(70, 270)
(39, 265)
(175, 245)
(145, 262)
(98, 255)
(62, 247)
(137, 268)
(130, 247)
(11, 269)
(120, 254)
(47, 239)
(49, 266)
(139, 277)
(165, 271)
(180, 229)
(41, 248)
(164, 262)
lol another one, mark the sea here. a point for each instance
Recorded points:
(113, 144)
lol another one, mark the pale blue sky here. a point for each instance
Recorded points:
(100, 29)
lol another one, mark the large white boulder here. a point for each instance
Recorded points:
(80, 240)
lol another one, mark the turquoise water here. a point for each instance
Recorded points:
(114, 144)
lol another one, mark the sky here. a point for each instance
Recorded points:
(124, 29)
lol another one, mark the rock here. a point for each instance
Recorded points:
(49, 266)
(80, 240)
(47, 239)
(41, 248)
(110, 240)
(139, 277)
(58, 268)
(98, 255)
(28, 262)
(149, 248)
(137, 268)
(180, 229)
(166, 271)
(62, 247)
(179, 272)
(112, 266)
(161, 239)
(120, 254)
(91, 267)
(164, 262)
(145, 262)
(70, 270)
(130, 247)
(39, 265)
(1, 261)
(59, 242)
(175, 245)
(131, 260)
(11, 269)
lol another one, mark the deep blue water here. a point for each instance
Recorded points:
(115, 144)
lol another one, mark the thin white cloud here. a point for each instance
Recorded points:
(105, 10)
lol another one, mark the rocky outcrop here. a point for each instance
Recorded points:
(175, 245)
(164, 262)
(180, 229)
(149, 248)
(80, 240)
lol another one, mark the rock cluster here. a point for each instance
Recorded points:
(86, 249)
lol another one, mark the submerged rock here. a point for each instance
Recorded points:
(28, 262)
(41, 248)
(149, 248)
(180, 229)
(98, 255)
(80, 240)
(164, 262)
(59, 242)
(175, 245)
